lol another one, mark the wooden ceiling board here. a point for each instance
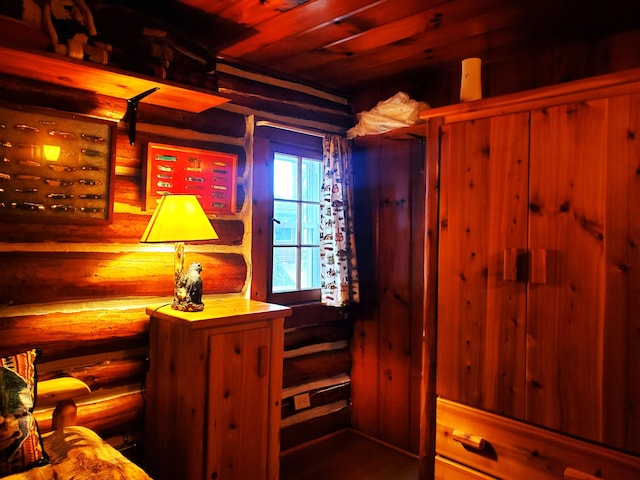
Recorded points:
(304, 17)
(328, 33)
(414, 48)
(512, 37)
(334, 45)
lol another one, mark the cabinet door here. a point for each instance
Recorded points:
(482, 297)
(583, 319)
(238, 405)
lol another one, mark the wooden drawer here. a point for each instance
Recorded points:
(445, 469)
(507, 449)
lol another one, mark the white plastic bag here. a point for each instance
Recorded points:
(395, 112)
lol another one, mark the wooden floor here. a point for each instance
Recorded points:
(347, 455)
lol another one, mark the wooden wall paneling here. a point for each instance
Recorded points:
(394, 295)
(566, 312)
(364, 349)
(480, 357)
(388, 323)
(621, 341)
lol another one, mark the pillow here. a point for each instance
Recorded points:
(20, 442)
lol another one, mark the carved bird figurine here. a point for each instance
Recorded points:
(193, 283)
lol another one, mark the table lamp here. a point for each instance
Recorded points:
(179, 219)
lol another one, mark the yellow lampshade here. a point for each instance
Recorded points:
(178, 218)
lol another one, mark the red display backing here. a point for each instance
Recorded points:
(209, 175)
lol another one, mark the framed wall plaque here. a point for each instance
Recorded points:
(55, 168)
(209, 175)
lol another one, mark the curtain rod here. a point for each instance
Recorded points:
(267, 123)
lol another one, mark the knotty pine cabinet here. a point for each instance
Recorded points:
(213, 391)
(538, 311)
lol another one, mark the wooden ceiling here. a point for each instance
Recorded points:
(340, 45)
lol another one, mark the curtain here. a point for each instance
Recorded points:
(338, 265)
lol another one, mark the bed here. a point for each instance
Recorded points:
(69, 451)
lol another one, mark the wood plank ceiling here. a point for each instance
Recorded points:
(340, 45)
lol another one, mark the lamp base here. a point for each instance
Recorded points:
(187, 307)
(187, 292)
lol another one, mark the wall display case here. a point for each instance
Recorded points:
(209, 175)
(54, 167)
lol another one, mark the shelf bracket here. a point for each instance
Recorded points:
(132, 112)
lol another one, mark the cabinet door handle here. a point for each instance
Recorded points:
(510, 267)
(262, 361)
(573, 474)
(468, 440)
(538, 266)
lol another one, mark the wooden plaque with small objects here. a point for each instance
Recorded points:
(55, 168)
(209, 175)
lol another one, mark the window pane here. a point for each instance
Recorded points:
(285, 267)
(311, 180)
(310, 224)
(285, 230)
(285, 176)
(310, 267)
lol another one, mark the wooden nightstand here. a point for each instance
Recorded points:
(213, 390)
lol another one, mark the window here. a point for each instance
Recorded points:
(297, 181)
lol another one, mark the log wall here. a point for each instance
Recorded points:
(78, 291)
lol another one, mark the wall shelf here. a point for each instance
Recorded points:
(54, 69)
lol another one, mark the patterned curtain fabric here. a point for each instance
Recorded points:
(338, 266)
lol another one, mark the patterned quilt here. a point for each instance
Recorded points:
(78, 453)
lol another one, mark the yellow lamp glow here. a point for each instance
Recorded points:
(51, 152)
(179, 219)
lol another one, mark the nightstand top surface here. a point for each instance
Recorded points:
(220, 309)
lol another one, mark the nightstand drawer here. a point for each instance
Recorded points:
(508, 449)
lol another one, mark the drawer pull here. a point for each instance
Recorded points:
(573, 474)
(472, 441)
